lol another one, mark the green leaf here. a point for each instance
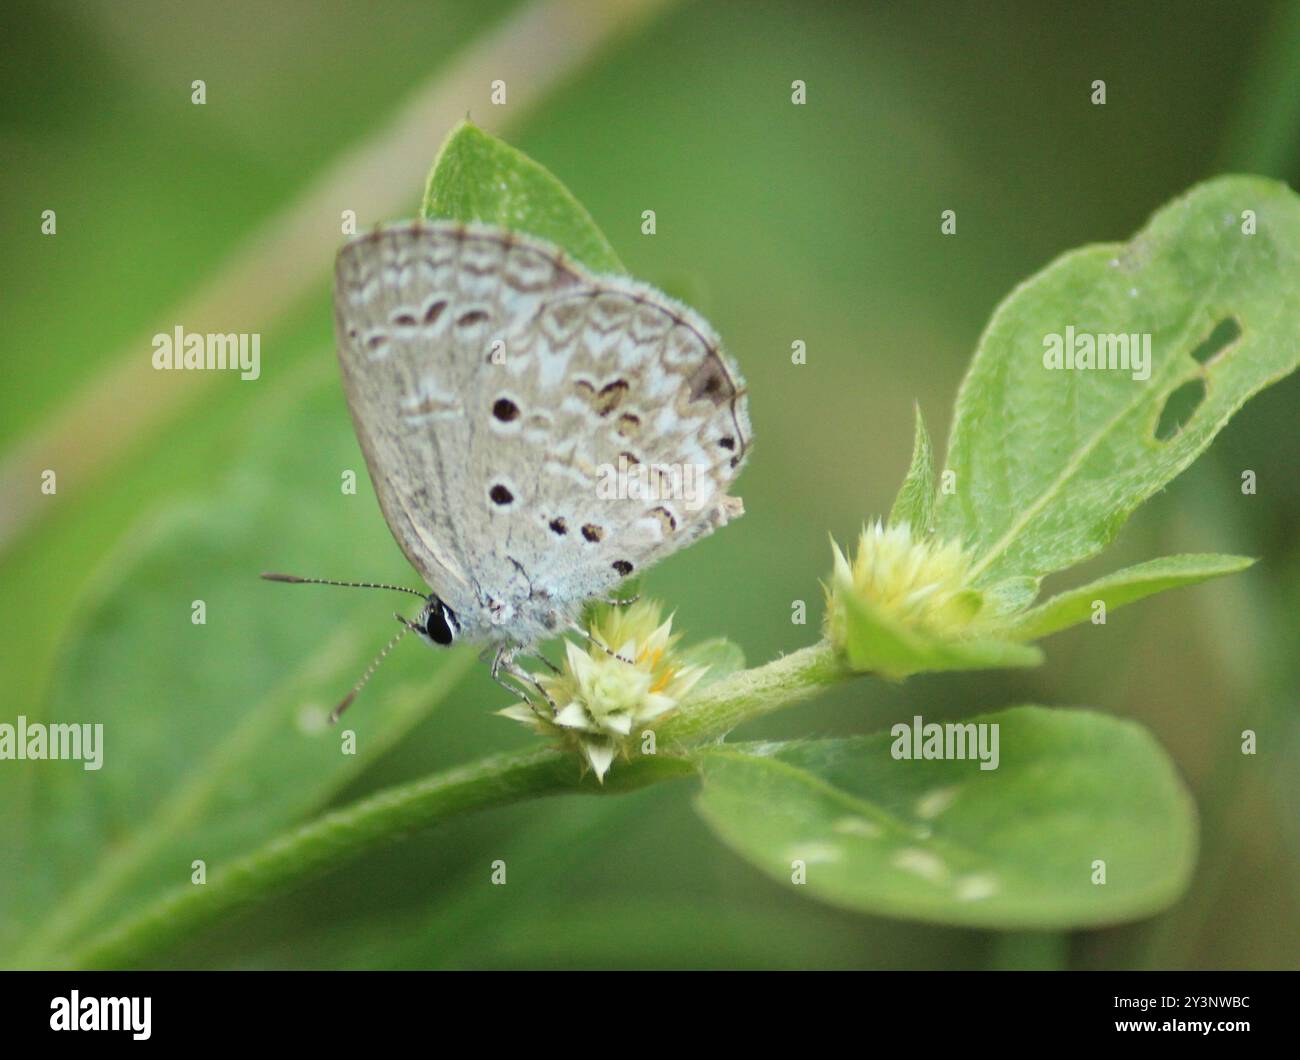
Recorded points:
(1010, 595)
(877, 643)
(914, 504)
(215, 735)
(1122, 587)
(477, 177)
(945, 841)
(1050, 463)
(343, 834)
(722, 657)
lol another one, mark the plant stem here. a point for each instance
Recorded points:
(752, 693)
(1024, 951)
(342, 835)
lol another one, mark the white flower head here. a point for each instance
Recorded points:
(622, 682)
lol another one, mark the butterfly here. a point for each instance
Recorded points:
(535, 433)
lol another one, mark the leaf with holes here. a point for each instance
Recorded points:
(1084, 821)
(477, 177)
(1050, 461)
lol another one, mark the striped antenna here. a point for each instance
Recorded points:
(337, 712)
(293, 579)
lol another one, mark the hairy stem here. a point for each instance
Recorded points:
(719, 708)
(342, 835)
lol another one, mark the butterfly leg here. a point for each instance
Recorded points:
(625, 602)
(498, 663)
(587, 636)
(546, 662)
(504, 665)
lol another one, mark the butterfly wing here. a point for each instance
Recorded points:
(416, 310)
(531, 428)
(646, 425)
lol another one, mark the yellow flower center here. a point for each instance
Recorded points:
(920, 582)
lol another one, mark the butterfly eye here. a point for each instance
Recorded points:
(441, 624)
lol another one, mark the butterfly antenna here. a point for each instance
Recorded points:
(346, 702)
(293, 579)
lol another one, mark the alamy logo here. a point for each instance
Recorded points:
(954, 740)
(1084, 351)
(36, 741)
(77, 1013)
(237, 351)
(633, 480)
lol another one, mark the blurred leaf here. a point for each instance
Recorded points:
(875, 642)
(1010, 595)
(344, 834)
(944, 841)
(914, 504)
(477, 177)
(1123, 587)
(1050, 464)
(215, 734)
(722, 657)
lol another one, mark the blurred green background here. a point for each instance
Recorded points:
(779, 222)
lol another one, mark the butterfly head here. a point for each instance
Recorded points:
(437, 623)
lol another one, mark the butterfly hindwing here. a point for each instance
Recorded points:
(529, 426)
